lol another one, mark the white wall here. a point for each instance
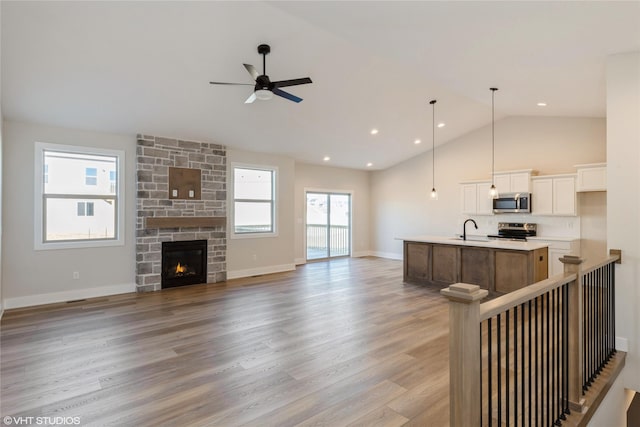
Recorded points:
(252, 256)
(623, 203)
(400, 195)
(314, 177)
(33, 277)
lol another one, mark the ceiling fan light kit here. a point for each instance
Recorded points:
(264, 88)
(263, 94)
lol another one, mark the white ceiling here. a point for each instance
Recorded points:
(144, 67)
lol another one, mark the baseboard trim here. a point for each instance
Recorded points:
(53, 297)
(300, 261)
(260, 271)
(360, 254)
(622, 344)
(390, 255)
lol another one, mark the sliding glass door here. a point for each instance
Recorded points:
(328, 225)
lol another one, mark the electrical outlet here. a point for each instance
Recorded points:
(76, 275)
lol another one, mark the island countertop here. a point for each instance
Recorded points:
(477, 242)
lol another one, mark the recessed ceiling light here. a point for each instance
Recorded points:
(441, 125)
(374, 131)
(417, 141)
(326, 158)
(541, 104)
(369, 164)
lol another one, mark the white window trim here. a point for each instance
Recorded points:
(231, 219)
(38, 216)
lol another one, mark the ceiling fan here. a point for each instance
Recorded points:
(264, 88)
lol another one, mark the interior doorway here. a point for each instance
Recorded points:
(328, 225)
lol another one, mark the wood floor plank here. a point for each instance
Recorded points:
(334, 343)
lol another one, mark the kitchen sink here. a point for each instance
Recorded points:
(472, 239)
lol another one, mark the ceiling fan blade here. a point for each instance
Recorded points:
(232, 84)
(294, 82)
(252, 70)
(286, 95)
(251, 98)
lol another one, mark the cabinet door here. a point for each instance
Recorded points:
(485, 203)
(520, 182)
(542, 197)
(555, 266)
(564, 196)
(503, 183)
(469, 198)
(416, 261)
(592, 179)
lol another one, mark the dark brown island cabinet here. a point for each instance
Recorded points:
(497, 266)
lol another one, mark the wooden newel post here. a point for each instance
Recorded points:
(576, 319)
(464, 350)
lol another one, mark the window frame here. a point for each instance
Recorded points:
(273, 202)
(39, 205)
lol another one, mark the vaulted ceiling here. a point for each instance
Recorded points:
(145, 67)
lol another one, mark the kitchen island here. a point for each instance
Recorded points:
(496, 265)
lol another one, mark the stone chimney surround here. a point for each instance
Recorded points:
(161, 218)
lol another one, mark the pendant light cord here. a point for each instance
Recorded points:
(493, 139)
(433, 144)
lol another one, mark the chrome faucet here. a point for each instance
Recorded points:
(464, 228)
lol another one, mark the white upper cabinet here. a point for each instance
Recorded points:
(554, 195)
(475, 198)
(591, 177)
(542, 196)
(513, 182)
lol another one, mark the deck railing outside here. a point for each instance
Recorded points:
(539, 347)
(317, 240)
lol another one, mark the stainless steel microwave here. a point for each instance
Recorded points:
(512, 203)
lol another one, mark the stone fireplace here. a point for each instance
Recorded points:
(179, 214)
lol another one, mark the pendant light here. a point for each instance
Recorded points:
(493, 191)
(434, 193)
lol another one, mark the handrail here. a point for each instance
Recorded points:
(512, 299)
(609, 260)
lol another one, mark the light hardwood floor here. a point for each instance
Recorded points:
(334, 343)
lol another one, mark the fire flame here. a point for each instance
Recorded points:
(181, 269)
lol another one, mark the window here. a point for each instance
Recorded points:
(85, 209)
(112, 181)
(91, 176)
(77, 197)
(253, 201)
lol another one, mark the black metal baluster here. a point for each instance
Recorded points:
(587, 335)
(565, 339)
(537, 374)
(506, 373)
(530, 363)
(515, 366)
(553, 358)
(522, 386)
(499, 335)
(481, 377)
(598, 322)
(549, 357)
(489, 364)
(613, 308)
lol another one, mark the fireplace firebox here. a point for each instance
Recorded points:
(184, 263)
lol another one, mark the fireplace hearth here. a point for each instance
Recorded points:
(184, 263)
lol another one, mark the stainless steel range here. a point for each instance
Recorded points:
(515, 230)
